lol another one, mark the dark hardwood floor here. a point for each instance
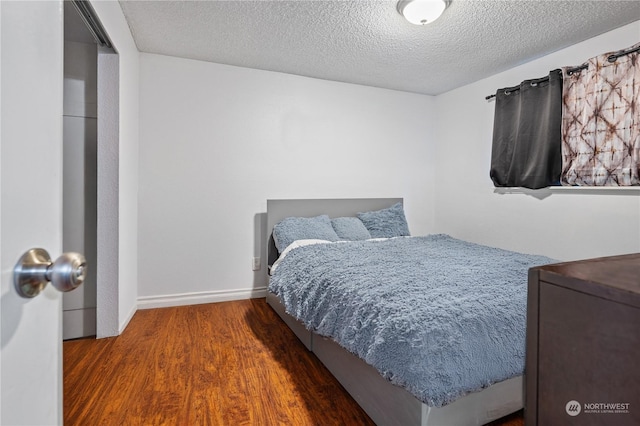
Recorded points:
(229, 363)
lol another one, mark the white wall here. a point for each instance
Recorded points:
(217, 141)
(113, 20)
(565, 225)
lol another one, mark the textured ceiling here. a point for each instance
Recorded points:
(368, 42)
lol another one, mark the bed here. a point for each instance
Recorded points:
(391, 394)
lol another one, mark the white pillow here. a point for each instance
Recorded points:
(295, 245)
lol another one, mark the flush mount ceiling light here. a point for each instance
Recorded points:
(422, 12)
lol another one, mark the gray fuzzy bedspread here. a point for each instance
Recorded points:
(438, 316)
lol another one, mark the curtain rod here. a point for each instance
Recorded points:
(611, 58)
(532, 82)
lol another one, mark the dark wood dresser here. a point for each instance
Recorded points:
(583, 343)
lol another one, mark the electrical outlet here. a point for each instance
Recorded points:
(255, 263)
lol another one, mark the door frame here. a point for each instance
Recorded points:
(108, 159)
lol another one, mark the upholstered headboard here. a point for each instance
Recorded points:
(337, 207)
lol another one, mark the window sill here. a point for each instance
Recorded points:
(592, 190)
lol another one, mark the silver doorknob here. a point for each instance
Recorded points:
(35, 269)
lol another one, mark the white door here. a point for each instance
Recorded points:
(31, 53)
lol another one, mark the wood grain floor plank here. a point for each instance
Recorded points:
(230, 363)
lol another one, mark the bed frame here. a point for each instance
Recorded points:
(385, 403)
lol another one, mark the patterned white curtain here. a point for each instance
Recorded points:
(601, 122)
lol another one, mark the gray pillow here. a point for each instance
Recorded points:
(386, 223)
(350, 228)
(291, 229)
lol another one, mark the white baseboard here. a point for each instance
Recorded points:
(182, 299)
(125, 323)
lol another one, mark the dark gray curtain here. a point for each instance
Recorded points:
(527, 134)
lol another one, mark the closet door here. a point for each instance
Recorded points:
(80, 170)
